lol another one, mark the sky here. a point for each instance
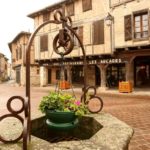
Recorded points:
(13, 15)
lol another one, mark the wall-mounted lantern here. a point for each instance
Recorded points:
(109, 19)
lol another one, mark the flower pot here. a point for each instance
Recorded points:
(64, 85)
(61, 120)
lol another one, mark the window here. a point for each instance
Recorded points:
(46, 17)
(114, 74)
(79, 31)
(20, 53)
(98, 32)
(141, 25)
(44, 43)
(86, 5)
(5, 67)
(136, 25)
(70, 9)
(16, 54)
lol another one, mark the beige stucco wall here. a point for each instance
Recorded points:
(3, 67)
(119, 12)
(21, 41)
(99, 11)
(34, 75)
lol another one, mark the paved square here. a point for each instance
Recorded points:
(133, 110)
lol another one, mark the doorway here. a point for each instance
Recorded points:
(142, 71)
(18, 75)
(49, 76)
(77, 75)
(97, 76)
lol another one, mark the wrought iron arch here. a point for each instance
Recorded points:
(66, 22)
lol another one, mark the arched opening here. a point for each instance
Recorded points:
(142, 71)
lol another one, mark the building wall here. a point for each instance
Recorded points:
(119, 12)
(3, 68)
(18, 47)
(99, 11)
(114, 36)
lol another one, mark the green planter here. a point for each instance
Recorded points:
(61, 120)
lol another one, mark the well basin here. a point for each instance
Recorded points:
(114, 135)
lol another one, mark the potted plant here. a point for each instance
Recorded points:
(62, 110)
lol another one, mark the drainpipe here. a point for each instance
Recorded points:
(110, 23)
(112, 36)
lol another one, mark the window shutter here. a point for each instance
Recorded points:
(86, 5)
(128, 27)
(70, 9)
(44, 43)
(80, 33)
(20, 52)
(16, 54)
(149, 23)
(98, 32)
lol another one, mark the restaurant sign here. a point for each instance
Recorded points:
(89, 62)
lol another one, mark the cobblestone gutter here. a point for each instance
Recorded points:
(115, 135)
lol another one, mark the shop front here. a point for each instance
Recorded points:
(114, 74)
(100, 72)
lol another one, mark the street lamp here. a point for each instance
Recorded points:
(109, 19)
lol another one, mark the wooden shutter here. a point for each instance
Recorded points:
(80, 33)
(70, 9)
(44, 42)
(149, 23)
(98, 32)
(20, 52)
(128, 27)
(86, 5)
(16, 54)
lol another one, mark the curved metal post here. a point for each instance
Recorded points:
(28, 65)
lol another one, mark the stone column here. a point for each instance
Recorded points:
(43, 76)
(103, 68)
(130, 71)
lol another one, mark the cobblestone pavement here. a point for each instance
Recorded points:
(135, 111)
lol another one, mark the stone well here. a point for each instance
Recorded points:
(104, 132)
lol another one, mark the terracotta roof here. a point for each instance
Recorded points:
(2, 54)
(17, 36)
(49, 8)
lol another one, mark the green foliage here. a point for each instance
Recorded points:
(62, 102)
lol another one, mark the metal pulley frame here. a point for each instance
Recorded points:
(63, 44)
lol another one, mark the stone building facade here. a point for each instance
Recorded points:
(115, 34)
(132, 39)
(3, 67)
(17, 48)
